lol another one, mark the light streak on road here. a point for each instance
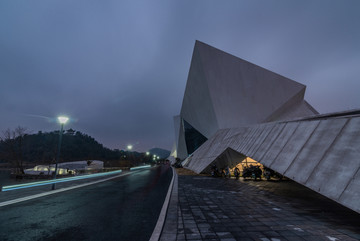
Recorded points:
(140, 167)
(67, 179)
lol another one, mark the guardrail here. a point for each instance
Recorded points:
(48, 182)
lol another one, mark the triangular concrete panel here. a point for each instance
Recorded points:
(177, 129)
(244, 93)
(193, 138)
(197, 108)
(181, 148)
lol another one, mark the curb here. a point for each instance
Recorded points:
(161, 220)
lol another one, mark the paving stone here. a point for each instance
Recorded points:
(204, 225)
(224, 234)
(191, 231)
(297, 238)
(219, 209)
(209, 235)
(205, 229)
(245, 239)
(287, 233)
(168, 237)
(190, 226)
(234, 229)
(193, 236)
(180, 237)
(271, 234)
(219, 227)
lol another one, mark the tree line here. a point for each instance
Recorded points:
(20, 149)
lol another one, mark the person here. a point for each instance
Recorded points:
(214, 171)
(223, 174)
(236, 173)
(227, 172)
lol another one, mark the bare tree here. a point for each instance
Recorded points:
(12, 151)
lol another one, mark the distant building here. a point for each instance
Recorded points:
(234, 110)
(66, 168)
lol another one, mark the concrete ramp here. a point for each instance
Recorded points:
(322, 153)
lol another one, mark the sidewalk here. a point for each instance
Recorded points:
(206, 208)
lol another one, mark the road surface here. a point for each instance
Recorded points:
(124, 208)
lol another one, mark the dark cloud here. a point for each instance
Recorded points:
(119, 68)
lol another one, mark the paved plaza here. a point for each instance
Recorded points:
(206, 208)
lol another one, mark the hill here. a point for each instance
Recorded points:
(20, 149)
(162, 153)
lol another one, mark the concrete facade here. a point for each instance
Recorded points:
(244, 110)
(224, 91)
(322, 154)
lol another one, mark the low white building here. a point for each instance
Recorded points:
(66, 168)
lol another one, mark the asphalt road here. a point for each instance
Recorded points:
(124, 208)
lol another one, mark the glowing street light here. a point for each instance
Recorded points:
(147, 153)
(62, 120)
(129, 147)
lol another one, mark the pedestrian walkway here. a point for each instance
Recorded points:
(206, 208)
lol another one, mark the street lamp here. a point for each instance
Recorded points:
(147, 153)
(62, 120)
(129, 147)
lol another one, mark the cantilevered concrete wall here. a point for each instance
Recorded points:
(322, 153)
(224, 91)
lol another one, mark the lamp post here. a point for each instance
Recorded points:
(147, 156)
(129, 148)
(62, 120)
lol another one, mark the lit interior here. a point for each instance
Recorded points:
(246, 163)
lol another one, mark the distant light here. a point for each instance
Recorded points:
(158, 157)
(63, 119)
(129, 147)
(147, 153)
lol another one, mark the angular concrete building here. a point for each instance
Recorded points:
(233, 109)
(224, 91)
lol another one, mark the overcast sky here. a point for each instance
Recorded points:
(119, 68)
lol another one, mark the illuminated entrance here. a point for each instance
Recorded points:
(247, 162)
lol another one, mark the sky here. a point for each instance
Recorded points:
(118, 69)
